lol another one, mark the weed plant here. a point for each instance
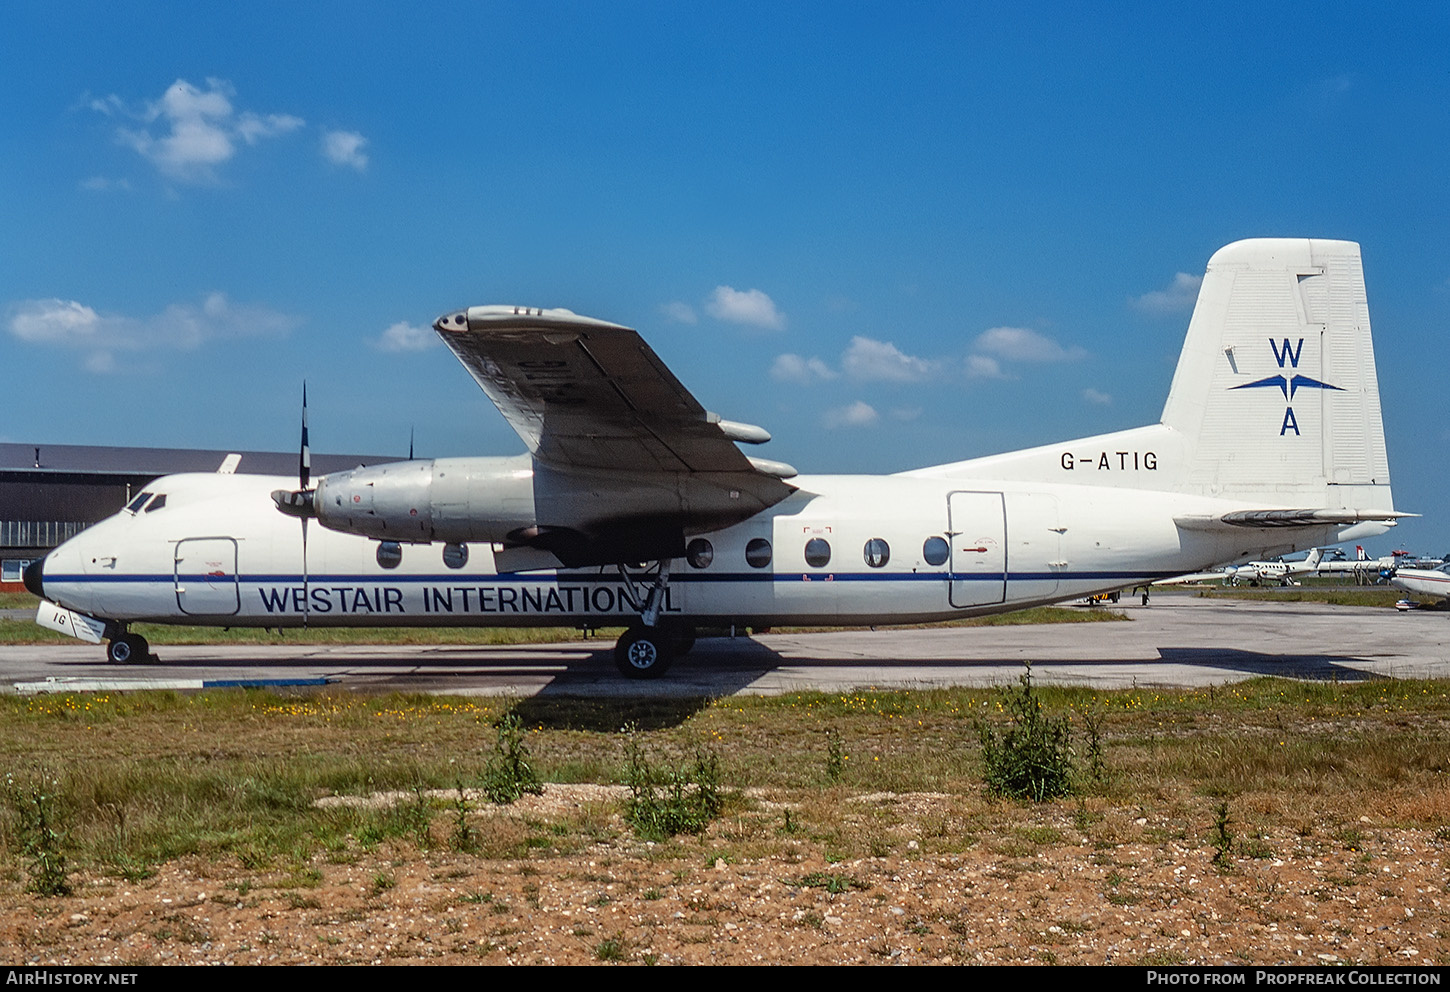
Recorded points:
(1221, 837)
(510, 775)
(1032, 757)
(835, 756)
(666, 802)
(36, 808)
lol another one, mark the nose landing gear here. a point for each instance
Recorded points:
(128, 649)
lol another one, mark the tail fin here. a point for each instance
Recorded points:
(1313, 558)
(1275, 396)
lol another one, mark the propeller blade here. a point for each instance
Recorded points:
(306, 607)
(304, 458)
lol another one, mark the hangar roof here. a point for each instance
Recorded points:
(85, 459)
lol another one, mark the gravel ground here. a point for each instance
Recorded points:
(1130, 893)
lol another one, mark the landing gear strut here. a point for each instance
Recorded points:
(645, 650)
(127, 649)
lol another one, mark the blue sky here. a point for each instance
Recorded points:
(893, 235)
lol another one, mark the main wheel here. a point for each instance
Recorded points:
(128, 649)
(643, 652)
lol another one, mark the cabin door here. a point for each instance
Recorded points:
(206, 576)
(977, 529)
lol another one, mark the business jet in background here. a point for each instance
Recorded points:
(634, 506)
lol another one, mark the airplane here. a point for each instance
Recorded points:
(633, 505)
(1425, 581)
(1278, 571)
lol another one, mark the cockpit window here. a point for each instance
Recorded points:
(135, 505)
(156, 503)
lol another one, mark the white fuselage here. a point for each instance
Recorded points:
(1424, 581)
(218, 553)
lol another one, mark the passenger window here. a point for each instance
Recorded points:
(818, 552)
(757, 553)
(877, 552)
(156, 503)
(699, 553)
(135, 505)
(935, 550)
(390, 554)
(455, 555)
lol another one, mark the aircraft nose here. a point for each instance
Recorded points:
(33, 577)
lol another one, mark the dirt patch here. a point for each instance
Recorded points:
(1112, 888)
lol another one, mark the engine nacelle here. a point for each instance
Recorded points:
(440, 499)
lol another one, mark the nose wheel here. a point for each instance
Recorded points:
(128, 649)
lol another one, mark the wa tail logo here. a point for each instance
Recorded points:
(1291, 354)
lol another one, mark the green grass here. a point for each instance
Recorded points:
(234, 775)
(1334, 594)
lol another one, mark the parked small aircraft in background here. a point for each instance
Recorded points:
(634, 506)
(1424, 581)
(1278, 571)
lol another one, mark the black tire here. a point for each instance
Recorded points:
(128, 649)
(644, 652)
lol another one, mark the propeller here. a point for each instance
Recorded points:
(299, 502)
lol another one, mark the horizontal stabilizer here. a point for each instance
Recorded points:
(1268, 519)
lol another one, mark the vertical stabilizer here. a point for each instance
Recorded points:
(1275, 395)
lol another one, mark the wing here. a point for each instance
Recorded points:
(588, 394)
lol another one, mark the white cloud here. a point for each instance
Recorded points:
(1094, 396)
(680, 313)
(404, 336)
(1018, 344)
(804, 371)
(345, 148)
(982, 367)
(102, 184)
(1179, 297)
(54, 322)
(749, 306)
(858, 414)
(868, 359)
(189, 131)
(181, 326)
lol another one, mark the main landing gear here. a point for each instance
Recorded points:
(128, 649)
(645, 650)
